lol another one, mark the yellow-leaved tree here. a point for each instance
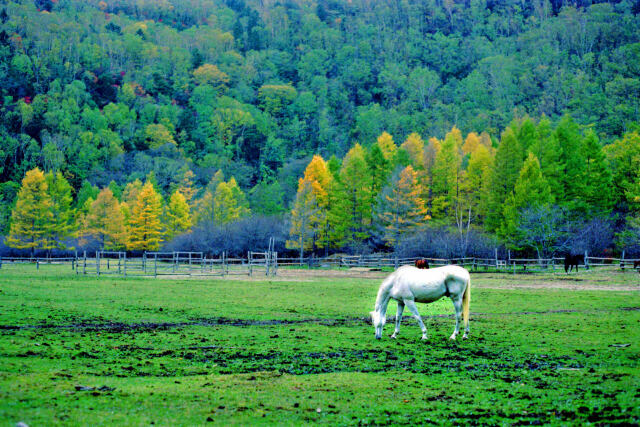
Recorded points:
(387, 146)
(400, 207)
(31, 219)
(317, 173)
(229, 203)
(177, 215)
(64, 224)
(447, 175)
(186, 187)
(414, 146)
(145, 229)
(105, 221)
(303, 215)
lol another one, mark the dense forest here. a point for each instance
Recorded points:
(435, 126)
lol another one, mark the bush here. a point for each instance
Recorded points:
(443, 242)
(236, 238)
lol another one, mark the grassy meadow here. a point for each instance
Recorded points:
(544, 348)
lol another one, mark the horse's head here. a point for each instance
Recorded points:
(378, 322)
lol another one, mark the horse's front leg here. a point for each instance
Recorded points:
(411, 305)
(457, 304)
(398, 318)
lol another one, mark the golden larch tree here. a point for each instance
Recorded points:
(145, 229)
(414, 146)
(105, 221)
(387, 146)
(318, 174)
(229, 203)
(303, 215)
(178, 215)
(401, 209)
(186, 187)
(31, 219)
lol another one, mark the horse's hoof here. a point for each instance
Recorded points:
(424, 338)
(452, 338)
(393, 336)
(465, 337)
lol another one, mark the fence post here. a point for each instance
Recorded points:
(155, 265)
(622, 261)
(37, 263)
(98, 263)
(189, 263)
(496, 254)
(119, 256)
(586, 260)
(249, 262)
(275, 264)
(124, 261)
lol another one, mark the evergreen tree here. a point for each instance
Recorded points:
(64, 224)
(350, 217)
(531, 190)
(573, 163)
(267, 198)
(178, 216)
(145, 229)
(105, 222)
(526, 133)
(624, 160)
(507, 165)
(547, 149)
(32, 218)
(476, 185)
(597, 178)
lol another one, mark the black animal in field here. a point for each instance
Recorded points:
(422, 263)
(572, 260)
(636, 265)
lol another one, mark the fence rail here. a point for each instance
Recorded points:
(196, 263)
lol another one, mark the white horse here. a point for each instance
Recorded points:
(409, 285)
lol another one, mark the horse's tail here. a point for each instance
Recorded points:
(466, 299)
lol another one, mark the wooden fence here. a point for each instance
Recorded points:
(268, 262)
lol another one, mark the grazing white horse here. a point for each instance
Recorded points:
(409, 285)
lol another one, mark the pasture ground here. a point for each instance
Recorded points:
(544, 348)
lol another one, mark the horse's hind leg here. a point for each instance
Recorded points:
(411, 305)
(457, 304)
(398, 318)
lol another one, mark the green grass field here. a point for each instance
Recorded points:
(78, 350)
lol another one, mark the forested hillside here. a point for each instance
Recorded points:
(469, 120)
